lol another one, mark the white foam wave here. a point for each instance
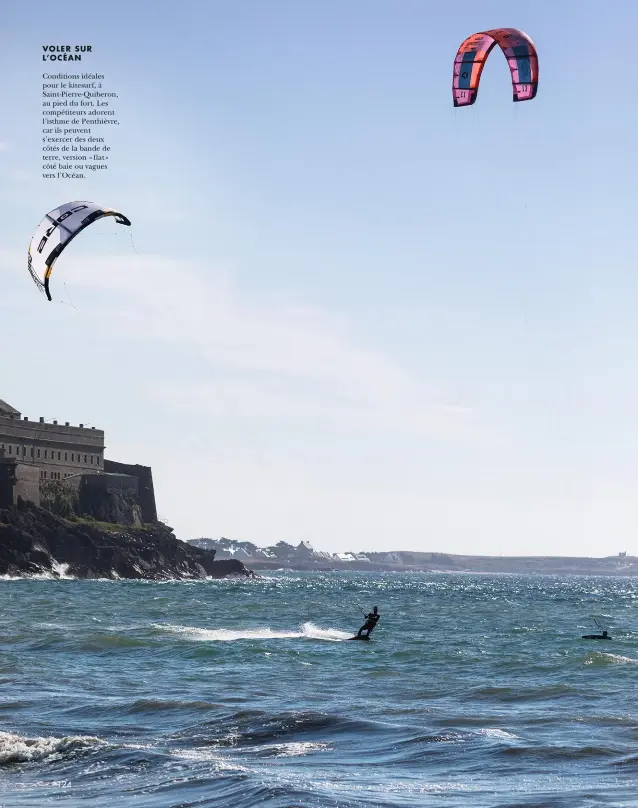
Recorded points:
(307, 630)
(296, 749)
(208, 755)
(57, 572)
(493, 732)
(18, 749)
(40, 576)
(61, 569)
(620, 660)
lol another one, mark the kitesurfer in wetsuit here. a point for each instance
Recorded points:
(372, 618)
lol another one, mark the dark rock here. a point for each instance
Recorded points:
(33, 540)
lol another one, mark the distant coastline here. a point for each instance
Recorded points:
(303, 557)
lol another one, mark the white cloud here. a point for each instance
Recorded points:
(221, 353)
(269, 359)
(265, 373)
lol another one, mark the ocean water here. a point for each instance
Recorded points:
(476, 690)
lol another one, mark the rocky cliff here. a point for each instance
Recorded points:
(35, 541)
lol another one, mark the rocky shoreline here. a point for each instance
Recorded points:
(34, 541)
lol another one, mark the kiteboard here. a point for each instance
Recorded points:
(362, 637)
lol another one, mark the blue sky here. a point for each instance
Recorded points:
(348, 313)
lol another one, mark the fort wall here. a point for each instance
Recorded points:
(125, 483)
(146, 491)
(18, 481)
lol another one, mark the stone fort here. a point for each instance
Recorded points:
(32, 452)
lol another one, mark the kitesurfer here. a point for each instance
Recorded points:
(603, 636)
(372, 618)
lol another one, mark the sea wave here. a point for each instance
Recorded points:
(307, 630)
(604, 658)
(19, 749)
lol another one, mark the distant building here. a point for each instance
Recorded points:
(305, 550)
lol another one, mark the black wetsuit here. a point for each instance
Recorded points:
(371, 620)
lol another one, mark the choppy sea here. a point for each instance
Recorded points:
(476, 690)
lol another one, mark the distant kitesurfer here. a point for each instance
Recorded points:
(372, 618)
(602, 636)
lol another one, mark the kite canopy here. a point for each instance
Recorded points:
(56, 230)
(521, 56)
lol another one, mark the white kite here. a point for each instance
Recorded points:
(56, 230)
